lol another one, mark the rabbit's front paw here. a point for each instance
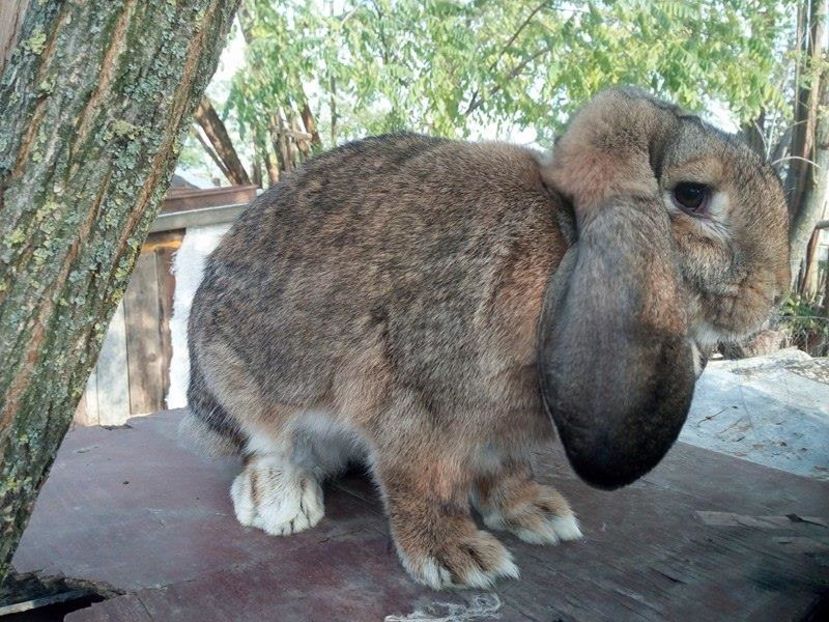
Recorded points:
(473, 560)
(544, 518)
(276, 497)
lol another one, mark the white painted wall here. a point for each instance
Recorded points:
(188, 266)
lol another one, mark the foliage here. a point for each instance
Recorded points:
(806, 324)
(453, 67)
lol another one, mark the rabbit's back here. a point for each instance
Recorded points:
(428, 254)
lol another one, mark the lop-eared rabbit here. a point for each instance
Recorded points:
(427, 306)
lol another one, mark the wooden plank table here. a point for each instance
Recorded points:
(703, 537)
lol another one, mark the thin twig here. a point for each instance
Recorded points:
(476, 103)
(514, 36)
(783, 159)
(762, 137)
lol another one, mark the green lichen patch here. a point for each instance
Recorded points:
(46, 86)
(36, 43)
(124, 130)
(16, 237)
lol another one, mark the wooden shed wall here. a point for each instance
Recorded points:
(132, 375)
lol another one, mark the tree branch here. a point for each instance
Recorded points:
(216, 132)
(208, 148)
(476, 101)
(514, 36)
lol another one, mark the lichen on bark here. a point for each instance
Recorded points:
(99, 95)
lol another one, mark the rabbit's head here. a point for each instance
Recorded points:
(682, 240)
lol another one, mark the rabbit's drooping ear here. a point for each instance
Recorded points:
(615, 361)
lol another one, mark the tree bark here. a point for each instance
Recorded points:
(214, 129)
(264, 150)
(100, 94)
(810, 189)
(257, 167)
(272, 168)
(280, 141)
(311, 126)
(809, 283)
(807, 179)
(826, 294)
(803, 106)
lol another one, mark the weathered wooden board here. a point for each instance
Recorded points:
(143, 339)
(166, 290)
(138, 347)
(112, 381)
(82, 416)
(182, 199)
(703, 537)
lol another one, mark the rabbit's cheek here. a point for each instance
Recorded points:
(734, 316)
(733, 294)
(706, 260)
(736, 288)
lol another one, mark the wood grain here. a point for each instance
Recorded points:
(143, 338)
(166, 290)
(652, 551)
(111, 378)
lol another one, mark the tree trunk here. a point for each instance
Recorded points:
(273, 169)
(826, 293)
(280, 142)
(214, 129)
(99, 95)
(332, 107)
(264, 150)
(257, 167)
(311, 126)
(803, 121)
(808, 285)
(807, 181)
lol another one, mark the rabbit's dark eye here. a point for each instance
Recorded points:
(692, 198)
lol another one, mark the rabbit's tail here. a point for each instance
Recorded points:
(208, 426)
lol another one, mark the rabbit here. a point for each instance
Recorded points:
(429, 306)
